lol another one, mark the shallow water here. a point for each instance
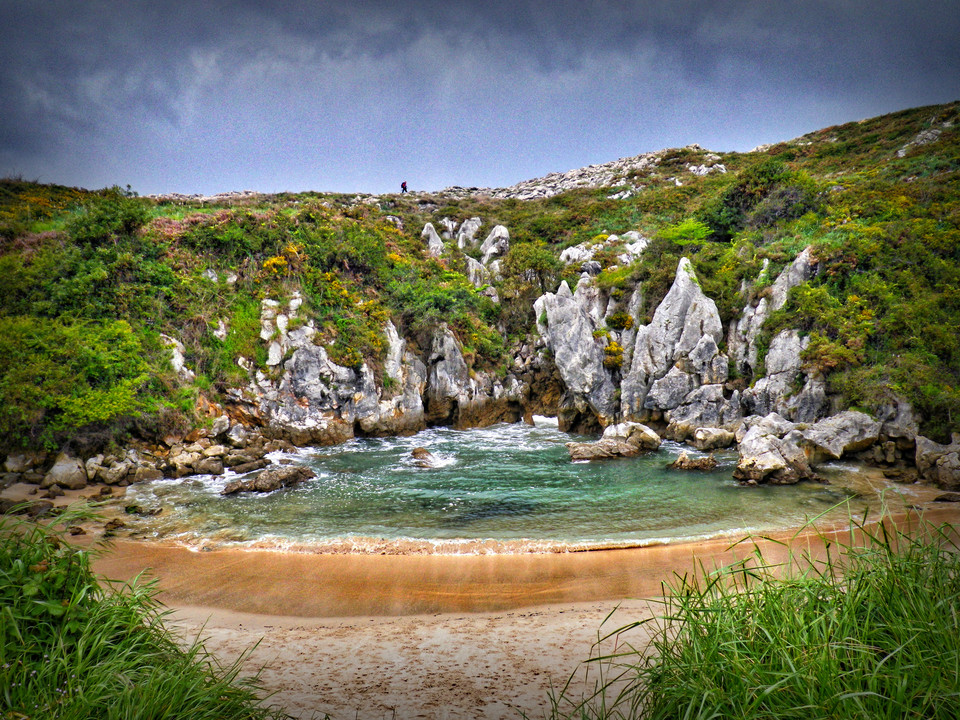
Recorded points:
(500, 489)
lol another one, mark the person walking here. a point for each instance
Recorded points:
(403, 186)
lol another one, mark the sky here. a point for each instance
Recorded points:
(213, 96)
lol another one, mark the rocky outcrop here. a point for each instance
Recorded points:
(567, 321)
(939, 464)
(744, 332)
(620, 440)
(843, 434)
(675, 357)
(777, 390)
(271, 479)
(466, 236)
(434, 243)
(769, 453)
(496, 245)
(458, 397)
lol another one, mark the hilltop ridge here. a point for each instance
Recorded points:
(824, 270)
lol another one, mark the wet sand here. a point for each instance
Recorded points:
(371, 637)
(427, 636)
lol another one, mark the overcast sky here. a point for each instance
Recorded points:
(337, 96)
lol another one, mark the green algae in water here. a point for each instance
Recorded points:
(510, 486)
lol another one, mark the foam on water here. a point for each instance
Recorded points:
(505, 488)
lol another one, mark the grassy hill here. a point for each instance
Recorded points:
(93, 280)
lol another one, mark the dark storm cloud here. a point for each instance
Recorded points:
(287, 95)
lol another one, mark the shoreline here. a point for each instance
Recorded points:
(369, 637)
(305, 584)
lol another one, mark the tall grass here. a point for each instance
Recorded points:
(72, 648)
(870, 631)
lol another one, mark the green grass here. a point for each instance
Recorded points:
(872, 631)
(73, 648)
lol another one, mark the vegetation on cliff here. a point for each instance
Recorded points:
(94, 281)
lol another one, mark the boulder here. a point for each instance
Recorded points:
(272, 479)
(620, 440)
(939, 464)
(847, 432)
(769, 453)
(68, 472)
(709, 438)
(685, 462)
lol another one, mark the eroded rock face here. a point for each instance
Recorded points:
(744, 332)
(566, 323)
(681, 341)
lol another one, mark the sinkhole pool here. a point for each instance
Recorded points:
(505, 488)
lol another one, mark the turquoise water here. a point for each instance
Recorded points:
(501, 489)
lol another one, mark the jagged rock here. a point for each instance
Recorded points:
(775, 392)
(497, 244)
(272, 479)
(951, 497)
(434, 243)
(449, 227)
(670, 390)
(706, 406)
(591, 268)
(938, 463)
(576, 254)
(679, 323)
(685, 462)
(468, 231)
(220, 427)
(208, 466)
(68, 472)
(579, 357)
(847, 432)
(476, 272)
(899, 423)
(744, 332)
(710, 438)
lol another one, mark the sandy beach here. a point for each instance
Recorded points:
(427, 636)
(375, 637)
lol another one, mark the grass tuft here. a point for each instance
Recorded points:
(870, 630)
(72, 648)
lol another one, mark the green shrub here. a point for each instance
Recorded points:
(73, 649)
(57, 378)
